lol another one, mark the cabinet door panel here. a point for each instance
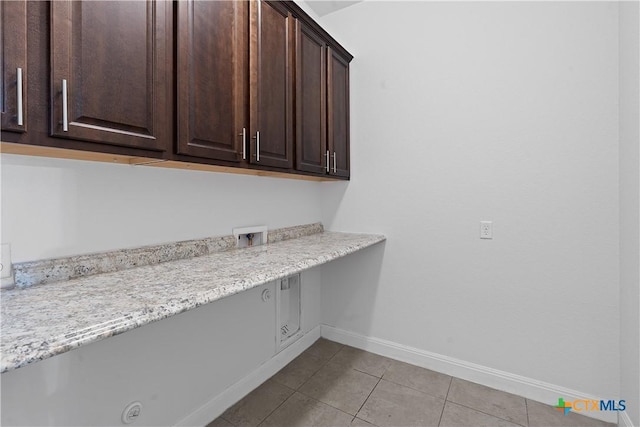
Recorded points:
(113, 57)
(271, 84)
(311, 140)
(212, 78)
(13, 60)
(338, 114)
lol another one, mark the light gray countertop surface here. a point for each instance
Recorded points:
(42, 321)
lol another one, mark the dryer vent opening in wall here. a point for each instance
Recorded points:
(289, 310)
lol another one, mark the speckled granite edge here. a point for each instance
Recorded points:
(295, 232)
(58, 269)
(39, 322)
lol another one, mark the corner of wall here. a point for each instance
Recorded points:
(629, 193)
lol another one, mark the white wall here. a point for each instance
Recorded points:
(630, 208)
(181, 369)
(501, 111)
(53, 208)
(171, 367)
(461, 112)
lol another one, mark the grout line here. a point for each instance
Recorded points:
(445, 400)
(325, 362)
(362, 419)
(225, 420)
(449, 388)
(341, 410)
(233, 424)
(337, 352)
(415, 389)
(486, 413)
(370, 393)
(367, 373)
(325, 403)
(491, 415)
(311, 376)
(276, 408)
(572, 414)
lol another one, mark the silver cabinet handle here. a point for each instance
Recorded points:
(327, 162)
(257, 146)
(335, 156)
(244, 143)
(19, 96)
(65, 112)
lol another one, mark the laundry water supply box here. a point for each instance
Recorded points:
(288, 310)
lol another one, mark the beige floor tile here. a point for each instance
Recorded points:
(361, 360)
(340, 386)
(335, 380)
(324, 349)
(488, 400)
(258, 404)
(541, 415)
(430, 382)
(395, 405)
(357, 422)
(455, 415)
(302, 411)
(219, 422)
(299, 370)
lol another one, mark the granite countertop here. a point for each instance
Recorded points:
(42, 321)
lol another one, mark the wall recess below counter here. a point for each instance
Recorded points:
(39, 322)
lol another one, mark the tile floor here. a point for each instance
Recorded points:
(333, 385)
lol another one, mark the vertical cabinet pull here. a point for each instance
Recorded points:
(244, 143)
(327, 161)
(65, 112)
(19, 96)
(335, 156)
(257, 138)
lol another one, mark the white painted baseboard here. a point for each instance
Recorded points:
(216, 406)
(527, 387)
(624, 420)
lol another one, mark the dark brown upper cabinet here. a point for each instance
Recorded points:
(271, 84)
(212, 79)
(322, 104)
(338, 113)
(253, 84)
(13, 42)
(312, 154)
(111, 72)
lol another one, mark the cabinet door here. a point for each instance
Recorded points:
(311, 114)
(338, 113)
(271, 63)
(212, 78)
(13, 42)
(110, 72)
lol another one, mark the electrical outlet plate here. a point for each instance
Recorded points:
(132, 412)
(6, 269)
(486, 229)
(259, 236)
